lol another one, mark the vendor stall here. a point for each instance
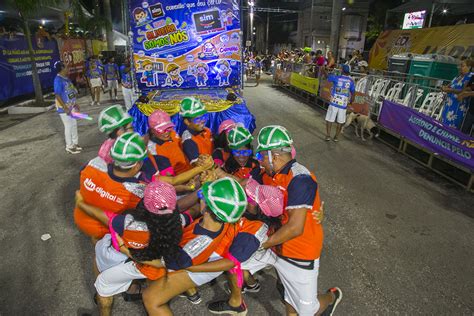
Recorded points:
(188, 48)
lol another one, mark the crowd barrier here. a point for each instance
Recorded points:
(419, 96)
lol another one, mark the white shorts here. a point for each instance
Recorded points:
(334, 112)
(301, 285)
(95, 82)
(201, 278)
(105, 254)
(112, 84)
(117, 279)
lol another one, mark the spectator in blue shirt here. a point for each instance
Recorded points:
(94, 74)
(342, 95)
(112, 76)
(126, 78)
(65, 95)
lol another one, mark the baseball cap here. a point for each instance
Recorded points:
(346, 69)
(226, 126)
(134, 233)
(159, 121)
(270, 199)
(160, 198)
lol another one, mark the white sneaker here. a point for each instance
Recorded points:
(92, 103)
(97, 103)
(72, 150)
(77, 147)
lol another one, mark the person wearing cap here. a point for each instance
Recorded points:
(114, 187)
(151, 231)
(221, 148)
(342, 95)
(265, 206)
(65, 97)
(196, 138)
(222, 204)
(241, 163)
(296, 246)
(114, 122)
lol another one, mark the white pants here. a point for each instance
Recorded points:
(334, 113)
(301, 285)
(128, 97)
(70, 130)
(117, 279)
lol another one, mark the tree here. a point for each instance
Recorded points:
(26, 8)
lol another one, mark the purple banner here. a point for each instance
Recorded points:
(428, 133)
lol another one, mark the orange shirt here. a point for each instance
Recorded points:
(169, 154)
(301, 191)
(196, 144)
(197, 247)
(100, 187)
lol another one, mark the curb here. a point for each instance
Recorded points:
(28, 109)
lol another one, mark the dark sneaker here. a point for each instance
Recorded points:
(332, 307)
(245, 288)
(195, 298)
(223, 307)
(251, 289)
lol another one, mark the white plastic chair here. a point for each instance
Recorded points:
(431, 102)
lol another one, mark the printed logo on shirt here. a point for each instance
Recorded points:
(91, 186)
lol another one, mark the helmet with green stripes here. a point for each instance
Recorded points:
(192, 107)
(238, 137)
(226, 198)
(128, 149)
(273, 137)
(112, 118)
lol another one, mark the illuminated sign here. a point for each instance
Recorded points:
(414, 20)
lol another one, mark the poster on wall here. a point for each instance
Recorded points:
(15, 65)
(186, 44)
(73, 53)
(414, 20)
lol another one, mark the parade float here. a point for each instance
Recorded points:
(188, 48)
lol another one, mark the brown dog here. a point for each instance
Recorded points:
(363, 122)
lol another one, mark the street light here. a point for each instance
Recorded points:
(251, 5)
(43, 21)
(445, 11)
(344, 9)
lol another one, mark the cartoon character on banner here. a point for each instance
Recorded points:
(148, 76)
(140, 15)
(208, 51)
(199, 71)
(228, 17)
(173, 78)
(223, 72)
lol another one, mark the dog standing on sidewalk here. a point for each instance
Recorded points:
(363, 122)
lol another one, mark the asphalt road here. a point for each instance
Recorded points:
(398, 239)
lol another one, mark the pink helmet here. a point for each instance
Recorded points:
(270, 199)
(160, 198)
(226, 126)
(159, 121)
(104, 150)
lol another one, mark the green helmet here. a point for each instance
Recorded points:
(112, 118)
(239, 136)
(192, 107)
(128, 149)
(226, 198)
(272, 137)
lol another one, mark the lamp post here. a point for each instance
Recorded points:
(251, 6)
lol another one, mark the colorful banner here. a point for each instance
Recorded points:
(304, 83)
(15, 65)
(428, 133)
(456, 41)
(73, 52)
(186, 44)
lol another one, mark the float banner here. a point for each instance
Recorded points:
(428, 133)
(73, 52)
(456, 41)
(186, 44)
(15, 65)
(304, 83)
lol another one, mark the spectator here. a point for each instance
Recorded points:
(454, 109)
(111, 76)
(127, 91)
(94, 74)
(331, 61)
(468, 123)
(65, 95)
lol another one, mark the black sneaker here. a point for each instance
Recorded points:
(245, 288)
(251, 289)
(195, 298)
(223, 307)
(329, 311)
